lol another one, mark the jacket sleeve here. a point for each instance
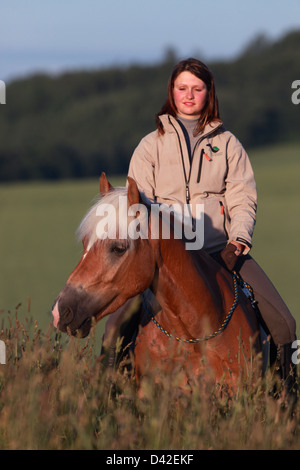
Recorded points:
(142, 167)
(240, 194)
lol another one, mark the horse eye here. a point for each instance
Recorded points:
(119, 249)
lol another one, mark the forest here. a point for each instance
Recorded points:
(77, 124)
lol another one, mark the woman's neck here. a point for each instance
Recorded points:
(188, 127)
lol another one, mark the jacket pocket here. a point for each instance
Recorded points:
(224, 217)
(208, 158)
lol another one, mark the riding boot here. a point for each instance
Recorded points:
(288, 375)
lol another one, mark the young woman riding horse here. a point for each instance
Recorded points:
(191, 158)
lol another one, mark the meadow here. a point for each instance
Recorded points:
(54, 393)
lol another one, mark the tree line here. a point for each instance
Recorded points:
(79, 124)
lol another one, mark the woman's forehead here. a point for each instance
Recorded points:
(188, 78)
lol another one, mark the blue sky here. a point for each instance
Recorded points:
(57, 35)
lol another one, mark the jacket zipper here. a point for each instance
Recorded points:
(187, 179)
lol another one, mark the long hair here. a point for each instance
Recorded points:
(210, 111)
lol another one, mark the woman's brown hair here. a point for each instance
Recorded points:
(211, 110)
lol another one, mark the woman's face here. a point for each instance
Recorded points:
(190, 95)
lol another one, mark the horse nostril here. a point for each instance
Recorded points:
(68, 315)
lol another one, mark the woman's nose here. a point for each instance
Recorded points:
(190, 93)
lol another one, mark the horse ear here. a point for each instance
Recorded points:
(105, 185)
(133, 192)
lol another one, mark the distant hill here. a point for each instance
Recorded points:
(78, 124)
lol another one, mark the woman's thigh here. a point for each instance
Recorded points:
(273, 309)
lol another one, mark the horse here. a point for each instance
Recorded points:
(203, 319)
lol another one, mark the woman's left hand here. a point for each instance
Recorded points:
(231, 253)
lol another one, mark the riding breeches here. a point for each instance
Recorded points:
(274, 312)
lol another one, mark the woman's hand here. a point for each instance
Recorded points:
(239, 247)
(231, 253)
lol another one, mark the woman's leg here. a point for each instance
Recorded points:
(274, 311)
(276, 316)
(278, 319)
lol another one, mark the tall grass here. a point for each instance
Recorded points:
(56, 394)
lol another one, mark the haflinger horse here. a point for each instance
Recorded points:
(204, 322)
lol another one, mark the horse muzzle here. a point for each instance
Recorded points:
(73, 311)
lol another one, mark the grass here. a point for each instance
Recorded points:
(55, 394)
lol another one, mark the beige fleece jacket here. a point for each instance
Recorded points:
(219, 176)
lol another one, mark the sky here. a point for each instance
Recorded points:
(53, 36)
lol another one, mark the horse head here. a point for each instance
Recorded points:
(115, 265)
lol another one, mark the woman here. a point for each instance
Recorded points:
(191, 158)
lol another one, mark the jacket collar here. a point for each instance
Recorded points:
(169, 122)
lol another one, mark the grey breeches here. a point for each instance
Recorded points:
(274, 311)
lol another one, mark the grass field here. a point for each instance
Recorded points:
(54, 393)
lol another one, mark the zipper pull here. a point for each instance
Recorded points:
(222, 207)
(187, 191)
(207, 157)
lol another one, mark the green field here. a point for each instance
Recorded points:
(39, 249)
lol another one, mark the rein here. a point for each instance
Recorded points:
(237, 280)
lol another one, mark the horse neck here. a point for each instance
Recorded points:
(187, 289)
